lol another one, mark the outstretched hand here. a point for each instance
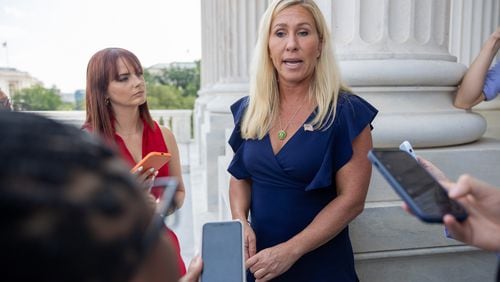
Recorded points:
(482, 202)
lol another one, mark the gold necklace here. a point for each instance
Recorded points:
(282, 132)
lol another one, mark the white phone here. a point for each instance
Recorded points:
(407, 147)
(222, 252)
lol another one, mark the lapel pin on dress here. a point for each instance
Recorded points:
(308, 127)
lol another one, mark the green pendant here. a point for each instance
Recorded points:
(281, 134)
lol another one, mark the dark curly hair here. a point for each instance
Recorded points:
(69, 208)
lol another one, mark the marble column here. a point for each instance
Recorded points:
(229, 30)
(471, 24)
(395, 54)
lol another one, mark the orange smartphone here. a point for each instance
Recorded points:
(153, 159)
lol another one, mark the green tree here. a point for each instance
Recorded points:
(167, 97)
(174, 88)
(186, 79)
(38, 98)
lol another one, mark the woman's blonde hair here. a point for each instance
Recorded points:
(264, 101)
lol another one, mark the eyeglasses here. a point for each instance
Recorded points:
(165, 204)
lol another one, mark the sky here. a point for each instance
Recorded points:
(53, 40)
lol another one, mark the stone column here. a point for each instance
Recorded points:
(471, 24)
(395, 54)
(228, 36)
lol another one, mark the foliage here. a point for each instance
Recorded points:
(38, 98)
(79, 100)
(167, 97)
(174, 88)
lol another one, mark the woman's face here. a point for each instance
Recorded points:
(294, 45)
(129, 89)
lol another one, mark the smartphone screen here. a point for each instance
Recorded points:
(153, 160)
(427, 199)
(222, 252)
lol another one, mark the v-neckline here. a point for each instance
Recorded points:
(301, 128)
(284, 145)
(127, 150)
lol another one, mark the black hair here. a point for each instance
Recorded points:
(69, 208)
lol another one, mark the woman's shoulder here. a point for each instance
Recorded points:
(347, 97)
(166, 132)
(240, 103)
(238, 107)
(157, 133)
(353, 111)
(348, 100)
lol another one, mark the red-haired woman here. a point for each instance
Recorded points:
(118, 112)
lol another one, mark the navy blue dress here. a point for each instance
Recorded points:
(290, 188)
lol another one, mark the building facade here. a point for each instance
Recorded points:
(12, 80)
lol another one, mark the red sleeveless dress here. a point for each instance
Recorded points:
(152, 141)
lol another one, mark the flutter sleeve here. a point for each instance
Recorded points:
(237, 166)
(352, 116)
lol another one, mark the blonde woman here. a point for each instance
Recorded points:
(300, 172)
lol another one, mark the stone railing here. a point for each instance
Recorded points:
(179, 121)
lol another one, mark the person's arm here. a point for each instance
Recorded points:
(239, 198)
(352, 186)
(482, 202)
(174, 165)
(470, 91)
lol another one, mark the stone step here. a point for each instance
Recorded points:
(391, 245)
(462, 264)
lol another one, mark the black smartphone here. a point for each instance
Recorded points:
(426, 198)
(222, 252)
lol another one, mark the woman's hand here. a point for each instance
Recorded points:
(433, 170)
(146, 177)
(249, 240)
(482, 202)
(271, 262)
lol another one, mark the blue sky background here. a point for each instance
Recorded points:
(54, 39)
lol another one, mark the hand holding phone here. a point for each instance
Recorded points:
(152, 160)
(407, 147)
(222, 252)
(426, 198)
